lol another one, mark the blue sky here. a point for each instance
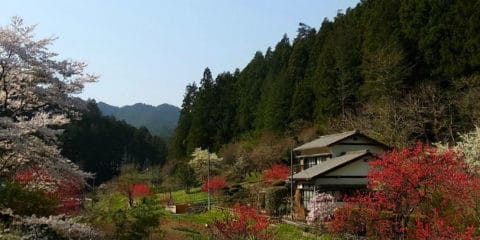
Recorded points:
(148, 51)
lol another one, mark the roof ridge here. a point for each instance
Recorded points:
(340, 133)
(326, 140)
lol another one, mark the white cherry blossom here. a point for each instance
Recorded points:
(36, 97)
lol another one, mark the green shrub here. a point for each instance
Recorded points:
(137, 222)
(235, 193)
(278, 183)
(145, 217)
(25, 201)
(275, 200)
(112, 215)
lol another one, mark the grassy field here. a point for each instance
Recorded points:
(289, 232)
(202, 218)
(253, 177)
(180, 196)
(196, 195)
(193, 227)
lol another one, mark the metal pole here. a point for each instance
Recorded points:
(291, 184)
(208, 180)
(314, 202)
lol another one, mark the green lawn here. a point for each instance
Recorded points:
(289, 232)
(196, 194)
(180, 196)
(253, 177)
(203, 218)
(192, 234)
(280, 231)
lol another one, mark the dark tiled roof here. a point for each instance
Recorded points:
(326, 140)
(328, 165)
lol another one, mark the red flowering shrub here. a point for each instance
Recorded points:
(139, 190)
(438, 228)
(415, 193)
(68, 191)
(351, 220)
(245, 223)
(26, 202)
(24, 177)
(216, 183)
(71, 198)
(276, 172)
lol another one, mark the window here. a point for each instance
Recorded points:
(310, 161)
(307, 193)
(321, 159)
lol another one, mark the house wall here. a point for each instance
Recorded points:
(313, 151)
(357, 168)
(354, 173)
(341, 181)
(355, 143)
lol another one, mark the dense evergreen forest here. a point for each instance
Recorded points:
(101, 144)
(400, 70)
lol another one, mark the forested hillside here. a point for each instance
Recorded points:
(101, 144)
(399, 70)
(160, 120)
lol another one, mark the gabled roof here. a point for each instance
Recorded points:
(329, 165)
(326, 140)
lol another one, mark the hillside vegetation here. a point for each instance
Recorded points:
(160, 120)
(102, 144)
(399, 70)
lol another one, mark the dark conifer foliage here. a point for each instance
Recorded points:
(101, 144)
(398, 68)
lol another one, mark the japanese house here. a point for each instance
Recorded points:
(335, 164)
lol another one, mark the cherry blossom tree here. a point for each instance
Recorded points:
(36, 97)
(322, 207)
(468, 147)
(51, 227)
(200, 163)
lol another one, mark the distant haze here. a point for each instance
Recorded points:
(160, 120)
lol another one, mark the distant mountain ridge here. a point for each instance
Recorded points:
(160, 120)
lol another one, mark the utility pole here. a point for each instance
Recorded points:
(291, 184)
(208, 179)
